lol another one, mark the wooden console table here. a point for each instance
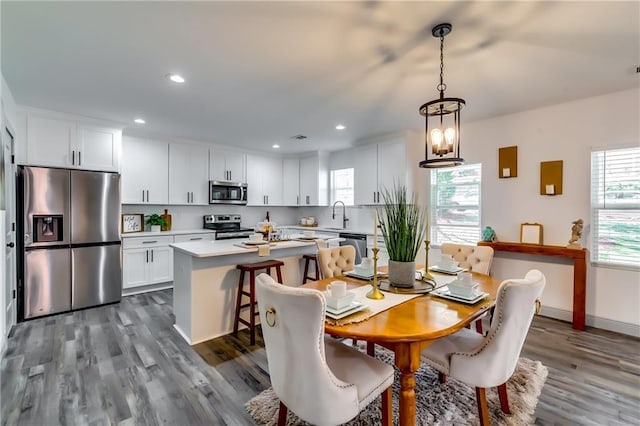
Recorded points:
(579, 257)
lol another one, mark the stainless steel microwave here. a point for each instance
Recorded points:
(222, 192)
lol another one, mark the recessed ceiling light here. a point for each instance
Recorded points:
(139, 121)
(176, 78)
(340, 127)
(276, 146)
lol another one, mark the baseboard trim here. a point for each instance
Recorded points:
(146, 288)
(593, 321)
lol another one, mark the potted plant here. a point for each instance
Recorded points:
(155, 221)
(402, 222)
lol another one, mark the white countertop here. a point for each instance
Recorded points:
(172, 232)
(227, 247)
(320, 228)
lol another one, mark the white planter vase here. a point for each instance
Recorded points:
(402, 274)
(155, 228)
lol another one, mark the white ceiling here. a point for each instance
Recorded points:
(260, 72)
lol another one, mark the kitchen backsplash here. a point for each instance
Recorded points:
(190, 217)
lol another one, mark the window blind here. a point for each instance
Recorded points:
(455, 204)
(615, 207)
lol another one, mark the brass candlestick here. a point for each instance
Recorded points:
(427, 276)
(375, 292)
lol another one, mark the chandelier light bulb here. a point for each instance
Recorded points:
(436, 138)
(450, 136)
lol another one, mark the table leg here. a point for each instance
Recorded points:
(579, 293)
(407, 359)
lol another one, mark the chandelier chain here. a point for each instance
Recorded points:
(442, 87)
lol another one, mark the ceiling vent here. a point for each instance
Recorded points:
(299, 137)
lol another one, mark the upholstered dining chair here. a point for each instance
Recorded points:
(320, 379)
(476, 259)
(336, 260)
(490, 361)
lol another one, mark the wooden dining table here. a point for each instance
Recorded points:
(406, 329)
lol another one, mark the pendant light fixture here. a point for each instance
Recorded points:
(442, 132)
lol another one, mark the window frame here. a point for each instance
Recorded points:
(332, 187)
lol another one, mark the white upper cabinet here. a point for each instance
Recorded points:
(227, 165)
(392, 165)
(98, 148)
(365, 175)
(50, 142)
(291, 181)
(264, 180)
(314, 180)
(379, 166)
(145, 171)
(58, 142)
(188, 174)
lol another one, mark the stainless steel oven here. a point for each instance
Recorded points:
(221, 192)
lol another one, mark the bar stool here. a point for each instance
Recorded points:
(308, 258)
(251, 268)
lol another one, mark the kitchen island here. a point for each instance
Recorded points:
(206, 282)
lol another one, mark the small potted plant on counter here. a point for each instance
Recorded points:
(155, 221)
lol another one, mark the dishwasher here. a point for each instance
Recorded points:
(359, 241)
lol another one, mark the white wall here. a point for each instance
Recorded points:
(8, 104)
(565, 132)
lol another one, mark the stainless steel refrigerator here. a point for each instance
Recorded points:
(70, 255)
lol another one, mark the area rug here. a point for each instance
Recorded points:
(436, 403)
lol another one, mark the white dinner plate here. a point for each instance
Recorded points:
(351, 309)
(446, 294)
(455, 271)
(355, 274)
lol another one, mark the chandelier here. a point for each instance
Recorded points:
(442, 133)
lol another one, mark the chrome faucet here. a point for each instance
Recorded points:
(345, 219)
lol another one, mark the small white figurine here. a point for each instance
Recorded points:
(576, 233)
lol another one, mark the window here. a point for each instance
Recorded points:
(455, 204)
(615, 207)
(342, 186)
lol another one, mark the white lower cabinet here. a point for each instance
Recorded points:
(146, 260)
(149, 260)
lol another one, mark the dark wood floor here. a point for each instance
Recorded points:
(125, 364)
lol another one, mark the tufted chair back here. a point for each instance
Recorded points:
(475, 258)
(302, 362)
(334, 261)
(494, 360)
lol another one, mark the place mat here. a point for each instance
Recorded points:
(373, 306)
(253, 246)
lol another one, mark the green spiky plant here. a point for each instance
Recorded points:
(402, 222)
